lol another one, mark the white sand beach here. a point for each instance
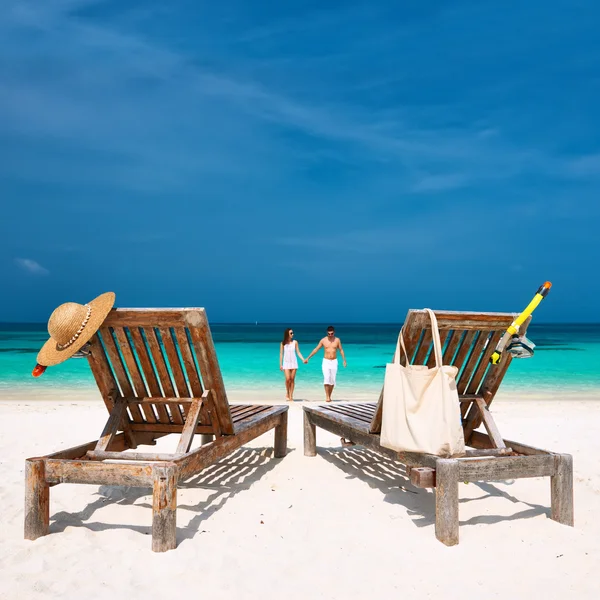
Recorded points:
(345, 524)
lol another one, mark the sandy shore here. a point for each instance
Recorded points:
(344, 524)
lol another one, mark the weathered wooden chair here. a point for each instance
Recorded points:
(468, 340)
(158, 374)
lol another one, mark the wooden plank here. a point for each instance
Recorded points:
(107, 384)
(145, 363)
(120, 372)
(168, 428)
(477, 378)
(481, 440)
(164, 508)
(469, 452)
(448, 319)
(102, 374)
(37, 499)
(151, 317)
(335, 417)
(112, 425)
(280, 441)
(490, 424)
(375, 426)
(561, 490)
(143, 353)
(446, 501)
(366, 408)
(423, 348)
(472, 362)
(348, 413)
(450, 349)
(188, 361)
(467, 398)
(86, 471)
(133, 456)
(474, 417)
(211, 372)
(431, 359)
(211, 416)
(164, 378)
(464, 349)
(115, 362)
(193, 375)
(249, 410)
(506, 467)
(119, 443)
(200, 458)
(422, 477)
(354, 430)
(174, 362)
(310, 436)
(187, 435)
(175, 411)
(139, 386)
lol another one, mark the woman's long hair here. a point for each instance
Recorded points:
(286, 336)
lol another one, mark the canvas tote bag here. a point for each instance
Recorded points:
(421, 410)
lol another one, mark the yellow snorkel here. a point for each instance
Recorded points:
(520, 347)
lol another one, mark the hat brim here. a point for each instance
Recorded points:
(51, 354)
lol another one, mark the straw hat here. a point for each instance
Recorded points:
(71, 325)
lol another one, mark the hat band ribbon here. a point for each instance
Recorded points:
(78, 333)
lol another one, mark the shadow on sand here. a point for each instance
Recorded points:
(389, 478)
(224, 479)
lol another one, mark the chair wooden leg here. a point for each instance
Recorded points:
(310, 437)
(164, 508)
(280, 445)
(37, 499)
(561, 491)
(446, 501)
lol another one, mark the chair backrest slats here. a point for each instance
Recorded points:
(484, 363)
(468, 341)
(174, 362)
(164, 379)
(151, 357)
(188, 361)
(143, 356)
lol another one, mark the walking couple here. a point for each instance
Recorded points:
(289, 364)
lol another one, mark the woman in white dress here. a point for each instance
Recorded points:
(288, 363)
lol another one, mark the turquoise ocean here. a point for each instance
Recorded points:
(566, 359)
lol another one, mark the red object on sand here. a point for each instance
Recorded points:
(38, 370)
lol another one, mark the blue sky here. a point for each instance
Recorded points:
(300, 161)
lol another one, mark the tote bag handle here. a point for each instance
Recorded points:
(437, 342)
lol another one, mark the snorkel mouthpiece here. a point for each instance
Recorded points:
(521, 347)
(38, 370)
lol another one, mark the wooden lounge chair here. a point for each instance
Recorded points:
(158, 374)
(468, 340)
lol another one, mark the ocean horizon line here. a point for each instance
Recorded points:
(43, 324)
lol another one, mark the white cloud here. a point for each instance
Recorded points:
(31, 266)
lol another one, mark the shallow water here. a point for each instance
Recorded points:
(566, 359)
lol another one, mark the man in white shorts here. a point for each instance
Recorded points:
(330, 345)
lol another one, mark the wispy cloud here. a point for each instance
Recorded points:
(31, 266)
(584, 166)
(440, 183)
(161, 118)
